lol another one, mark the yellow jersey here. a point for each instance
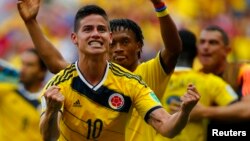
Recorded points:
(19, 114)
(154, 75)
(213, 90)
(101, 112)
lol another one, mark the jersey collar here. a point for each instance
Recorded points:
(95, 87)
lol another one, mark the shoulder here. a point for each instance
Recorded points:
(122, 73)
(6, 87)
(63, 76)
(153, 67)
(214, 78)
(156, 61)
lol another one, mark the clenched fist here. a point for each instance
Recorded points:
(54, 99)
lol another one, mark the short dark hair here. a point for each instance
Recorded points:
(222, 32)
(188, 44)
(86, 11)
(41, 63)
(123, 24)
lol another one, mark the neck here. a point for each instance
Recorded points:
(184, 64)
(217, 70)
(185, 60)
(93, 69)
(133, 67)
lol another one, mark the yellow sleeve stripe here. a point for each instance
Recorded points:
(67, 74)
(119, 72)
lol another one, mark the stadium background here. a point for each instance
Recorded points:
(56, 18)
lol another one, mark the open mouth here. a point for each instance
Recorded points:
(119, 58)
(95, 44)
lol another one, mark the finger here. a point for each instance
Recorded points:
(192, 87)
(58, 97)
(52, 94)
(195, 94)
(51, 88)
(51, 91)
(186, 98)
(55, 101)
(189, 97)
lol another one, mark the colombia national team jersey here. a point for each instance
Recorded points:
(157, 79)
(19, 114)
(213, 90)
(101, 112)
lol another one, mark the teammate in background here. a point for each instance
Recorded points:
(19, 104)
(212, 89)
(213, 49)
(107, 94)
(125, 50)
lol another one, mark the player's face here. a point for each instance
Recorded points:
(124, 49)
(212, 51)
(30, 71)
(93, 36)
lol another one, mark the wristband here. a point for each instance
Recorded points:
(161, 9)
(162, 13)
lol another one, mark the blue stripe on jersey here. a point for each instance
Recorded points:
(101, 96)
(35, 103)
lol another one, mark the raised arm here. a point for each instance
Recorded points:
(28, 10)
(172, 42)
(49, 122)
(170, 125)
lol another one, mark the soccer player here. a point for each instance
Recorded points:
(213, 90)
(213, 49)
(125, 50)
(93, 98)
(20, 104)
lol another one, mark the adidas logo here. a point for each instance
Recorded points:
(77, 103)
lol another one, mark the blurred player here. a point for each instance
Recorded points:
(213, 49)
(212, 89)
(20, 104)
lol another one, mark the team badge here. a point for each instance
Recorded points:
(116, 101)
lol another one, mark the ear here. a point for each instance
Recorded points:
(139, 47)
(110, 37)
(74, 38)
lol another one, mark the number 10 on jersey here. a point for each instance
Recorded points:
(94, 128)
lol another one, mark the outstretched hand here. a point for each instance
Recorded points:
(28, 9)
(190, 99)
